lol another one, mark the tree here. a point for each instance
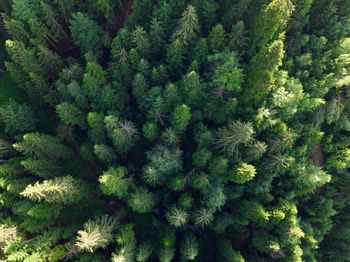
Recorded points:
(216, 38)
(50, 61)
(270, 22)
(113, 182)
(17, 117)
(141, 41)
(144, 252)
(15, 29)
(139, 87)
(96, 233)
(227, 253)
(228, 76)
(157, 36)
(189, 248)
(231, 136)
(175, 56)
(243, 173)
(163, 162)
(86, 33)
(124, 134)
(262, 77)
(237, 38)
(104, 153)
(43, 146)
(42, 167)
(8, 235)
(177, 217)
(96, 127)
(71, 115)
(64, 190)
(203, 217)
(188, 26)
(93, 81)
(181, 117)
(24, 57)
(150, 131)
(141, 200)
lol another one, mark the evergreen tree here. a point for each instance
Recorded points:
(181, 117)
(70, 115)
(17, 117)
(96, 233)
(113, 182)
(142, 201)
(80, 24)
(271, 21)
(188, 26)
(42, 146)
(65, 190)
(262, 77)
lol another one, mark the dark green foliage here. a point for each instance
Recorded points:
(17, 118)
(175, 130)
(86, 33)
(112, 182)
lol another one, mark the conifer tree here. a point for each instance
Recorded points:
(181, 117)
(236, 133)
(142, 201)
(262, 77)
(188, 27)
(270, 22)
(189, 248)
(96, 233)
(65, 190)
(244, 152)
(113, 182)
(70, 115)
(17, 117)
(80, 23)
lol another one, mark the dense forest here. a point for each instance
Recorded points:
(175, 130)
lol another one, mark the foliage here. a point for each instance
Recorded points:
(171, 130)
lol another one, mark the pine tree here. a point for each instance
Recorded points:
(216, 38)
(124, 134)
(141, 41)
(93, 81)
(189, 248)
(70, 114)
(236, 133)
(96, 127)
(181, 118)
(15, 29)
(144, 251)
(113, 182)
(175, 56)
(270, 22)
(203, 217)
(96, 233)
(157, 36)
(243, 173)
(262, 77)
(80, 24)
(17, 117)
(104, 153)
(42, 167)
(227, 253)
(65, 190)
(23, 56)
(188, 26)
(142, 201)
(177, 217)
